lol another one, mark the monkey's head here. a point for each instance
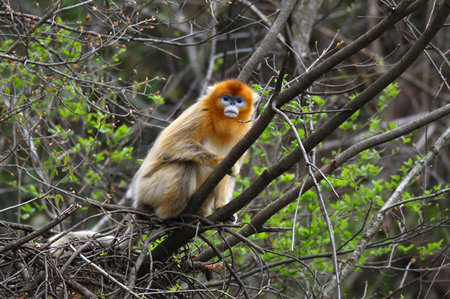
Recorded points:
(231, 99)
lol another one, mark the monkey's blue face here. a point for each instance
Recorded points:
(232, 105)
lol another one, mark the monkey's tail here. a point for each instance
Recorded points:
(61, 240)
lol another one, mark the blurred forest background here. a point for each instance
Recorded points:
(357, 89)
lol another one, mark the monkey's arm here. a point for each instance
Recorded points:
(193, 151)
(181, 140)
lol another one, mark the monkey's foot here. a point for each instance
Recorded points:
(231, 220)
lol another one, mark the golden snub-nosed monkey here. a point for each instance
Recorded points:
(186, 152)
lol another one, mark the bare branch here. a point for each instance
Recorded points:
(267, 42)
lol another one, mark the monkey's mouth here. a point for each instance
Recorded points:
(231, 112)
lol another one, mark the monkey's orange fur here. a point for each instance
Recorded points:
(187, 151)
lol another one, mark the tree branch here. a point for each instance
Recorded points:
(268, 41)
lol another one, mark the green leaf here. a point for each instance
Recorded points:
(58, 198)
(121, 132)
(66, 159)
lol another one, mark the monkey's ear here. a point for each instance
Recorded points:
(255, 97)
(210, 89)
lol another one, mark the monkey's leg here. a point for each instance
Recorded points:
(223, 194)
(206, 206)
(167, 190)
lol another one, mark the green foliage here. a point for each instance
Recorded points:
(389, 93)
(218, 64)
(157, 99)
(69, 129)
(429, 249)
(350, 122)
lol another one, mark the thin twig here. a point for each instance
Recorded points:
(323, 208)
(428, 196)
(140, 260)
(106, 274)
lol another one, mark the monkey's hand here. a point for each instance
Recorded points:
(233, 171)
(232, 219)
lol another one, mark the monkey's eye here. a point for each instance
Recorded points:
(226, 99)
(239, 101)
